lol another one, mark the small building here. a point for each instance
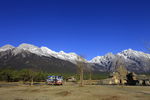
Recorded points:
(114, 79)
(123, 77)
(71, 79)
(129, 78)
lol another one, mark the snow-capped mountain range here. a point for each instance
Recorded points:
(126, 54)
(136, 61)
(42, 51)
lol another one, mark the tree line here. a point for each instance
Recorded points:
(13, 75)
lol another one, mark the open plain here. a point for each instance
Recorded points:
(74, 92)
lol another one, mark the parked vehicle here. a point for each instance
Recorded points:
(54, 80)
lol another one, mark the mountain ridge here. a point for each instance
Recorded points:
(29, 47)
(135, 61)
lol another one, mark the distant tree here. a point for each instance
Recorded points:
(40, 76)
(89, 69)
(16, 76)
(8, 75)
(28, 75)
(90, 76)
(81, 64)
(122, 71)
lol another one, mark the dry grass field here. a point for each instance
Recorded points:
(74, 92)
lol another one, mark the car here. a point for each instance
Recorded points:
(54, 80)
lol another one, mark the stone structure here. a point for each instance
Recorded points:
(130, 78)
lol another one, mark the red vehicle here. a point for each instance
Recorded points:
(54, 80)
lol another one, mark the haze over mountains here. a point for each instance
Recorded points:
(43, 58)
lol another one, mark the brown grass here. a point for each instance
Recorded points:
(74, 92)
(63, 93)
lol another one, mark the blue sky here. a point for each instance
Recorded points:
(87, 27)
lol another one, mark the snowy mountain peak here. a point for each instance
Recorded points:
(129, 51)
(134, 60)
(30, 48)
(6, 47)
(44, 51)
(72, 53)
(109, 54)
(47, 50)
(62, 52)
(27, 46)
(100, 59)
(72, 57)
(133, 53)
(96, 59)
(126, 54)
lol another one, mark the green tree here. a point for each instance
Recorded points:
(28, 75)
(8, 75)
(40, 76)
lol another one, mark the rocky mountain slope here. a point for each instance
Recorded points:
(43, 58)
(29, 56)
(135, 61)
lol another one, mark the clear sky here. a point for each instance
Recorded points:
(87, 27)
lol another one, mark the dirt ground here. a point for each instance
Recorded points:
(74, 92)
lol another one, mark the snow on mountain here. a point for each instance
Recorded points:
(126, 54)
(31, 48)
(43, 51)
(102, 59)
(132, 53)
(134, 60)
(106, 61)
(72, 57)
(6, 47)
